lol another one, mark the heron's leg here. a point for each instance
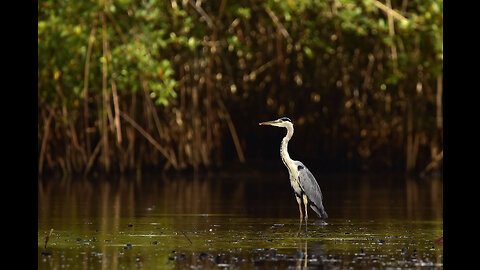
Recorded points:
(305, 201)
(299, 201)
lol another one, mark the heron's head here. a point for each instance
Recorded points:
(281, 122)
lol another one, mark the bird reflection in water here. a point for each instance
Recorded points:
(301, 255)
(306, 255)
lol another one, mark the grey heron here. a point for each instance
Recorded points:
(304, 184)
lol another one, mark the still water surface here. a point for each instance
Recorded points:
(240, 221)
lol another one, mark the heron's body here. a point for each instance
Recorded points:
(304, 184)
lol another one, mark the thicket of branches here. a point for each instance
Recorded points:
(129, 84)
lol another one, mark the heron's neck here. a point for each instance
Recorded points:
(284, 147)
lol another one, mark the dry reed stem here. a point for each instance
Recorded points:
(391, 33)
(202, 13)
(85, 85)
(92, 157)
(149, 138)
(117, 109)
(44, 140)
(388, 10)
(233, 132)
(278, 24)
(105, 99)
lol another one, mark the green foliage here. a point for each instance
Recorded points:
(143, 36)
(353, 68)
(138, 34)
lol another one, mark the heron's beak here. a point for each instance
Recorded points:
(268, 123)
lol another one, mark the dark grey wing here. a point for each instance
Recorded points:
(310, 186)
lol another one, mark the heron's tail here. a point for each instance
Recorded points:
(319, 210)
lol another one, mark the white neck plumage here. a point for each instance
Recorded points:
(284, 146)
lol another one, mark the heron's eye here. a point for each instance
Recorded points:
(286, 119)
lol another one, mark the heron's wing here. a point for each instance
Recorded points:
(311, 188)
